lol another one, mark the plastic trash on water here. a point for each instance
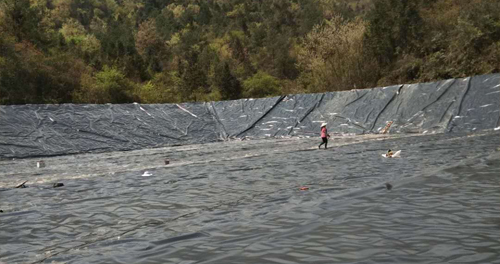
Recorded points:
(147, 174)
(396, 154)
(40, 164)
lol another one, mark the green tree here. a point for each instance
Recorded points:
(151, 46)
(107, 86)
(261, 85)
(394, 27)
(22, 20)
(331, 57)
(229, 86)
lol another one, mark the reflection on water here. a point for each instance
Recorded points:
(240, 202)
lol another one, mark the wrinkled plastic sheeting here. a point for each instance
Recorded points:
(42, 130)
(351, 112)
(480, 105)
(423, 108)
(283, 119)
(236, 117)
(456, 105)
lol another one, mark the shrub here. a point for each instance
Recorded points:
(107, 86)
(164, 88)
(331, 57)
(261, 85)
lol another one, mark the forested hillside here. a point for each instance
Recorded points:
(153, 51)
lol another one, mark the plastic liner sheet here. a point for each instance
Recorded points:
(456, 105)
(479, 107)
(44, 130)
(236, 117)
(423, 108)
(355, 111)
(284, 119)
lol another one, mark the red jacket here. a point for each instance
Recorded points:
(324, 134)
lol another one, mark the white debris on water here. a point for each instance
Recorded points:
(146, 174)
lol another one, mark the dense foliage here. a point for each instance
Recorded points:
(156, 51)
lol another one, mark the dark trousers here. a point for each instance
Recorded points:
(325, 141)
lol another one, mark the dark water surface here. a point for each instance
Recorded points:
(239, 202)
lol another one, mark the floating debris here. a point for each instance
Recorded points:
(22, 185)
(146, 174)
(58, 184)
(40, 164)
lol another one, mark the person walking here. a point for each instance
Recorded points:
(324, 136)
